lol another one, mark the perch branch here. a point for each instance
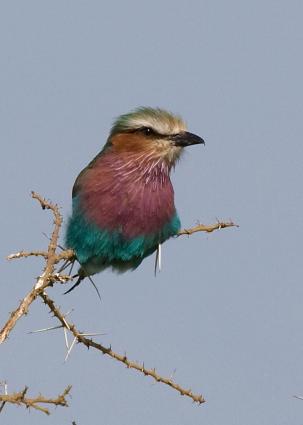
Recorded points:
(121, 358)
(20, 398)
(207, 228)
(49, 277)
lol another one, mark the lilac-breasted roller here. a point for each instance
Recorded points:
(123, 201)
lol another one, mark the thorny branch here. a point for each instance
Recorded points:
(67, 254)
(43, 280)
(49, 277)
(20, 398)
(121, 358)
(207, 228)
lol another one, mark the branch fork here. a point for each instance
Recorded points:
(48, 278)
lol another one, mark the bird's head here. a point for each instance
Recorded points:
(156, 132)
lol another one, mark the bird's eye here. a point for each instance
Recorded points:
(147, 131)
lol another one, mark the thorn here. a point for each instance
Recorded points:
(45, 329)
(65, 338)
(92, 334)
(172, 374)
(65, 323)
(70, 349)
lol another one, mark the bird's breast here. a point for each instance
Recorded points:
(132, 199)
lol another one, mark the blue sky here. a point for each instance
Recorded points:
(225, 313)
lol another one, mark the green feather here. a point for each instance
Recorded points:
(109, 248)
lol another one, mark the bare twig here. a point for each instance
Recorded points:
(67, 254)
(24, 254)
(79, 336)
(207, 228)
(20, 398)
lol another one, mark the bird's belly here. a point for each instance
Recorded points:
(100, 247)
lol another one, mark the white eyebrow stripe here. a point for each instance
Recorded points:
(163, 127)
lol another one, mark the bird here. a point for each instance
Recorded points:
(123, 200)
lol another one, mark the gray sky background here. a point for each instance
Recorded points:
(226, 311)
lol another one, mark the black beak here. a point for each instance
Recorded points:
(186, 139)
